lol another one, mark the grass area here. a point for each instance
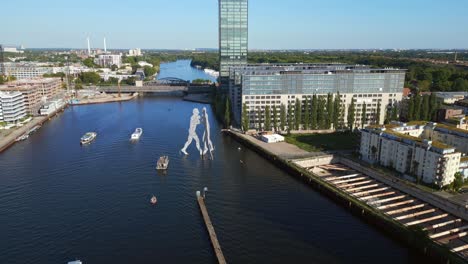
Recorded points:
(322, 142)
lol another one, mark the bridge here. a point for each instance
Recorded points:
(164, 85)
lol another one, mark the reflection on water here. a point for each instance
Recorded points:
(181, 69)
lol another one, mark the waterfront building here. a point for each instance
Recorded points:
(258, 86)
(12, 107)
(233, 36)
(25, 70)
(411, 149)
(107, 60)
(35, 92)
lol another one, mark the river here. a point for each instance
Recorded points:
(181, 69)
(60, 201)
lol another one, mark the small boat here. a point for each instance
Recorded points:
(23, 137)
(162, 163)
(75, 262)
(34, 129)
(137, 134)
(88, 138)
(153, 200)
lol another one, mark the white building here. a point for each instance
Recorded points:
(134, 52)
(22, 70)
(402, 147)
(12, 50)
(51, 107)
(107, 60)
(12, 107)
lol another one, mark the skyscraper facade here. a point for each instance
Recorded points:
(233, 36)
(2, 67)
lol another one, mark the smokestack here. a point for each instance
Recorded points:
(105, 46)
(89, 48)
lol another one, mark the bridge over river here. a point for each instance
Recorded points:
(166, 85)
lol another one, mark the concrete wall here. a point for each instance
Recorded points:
(449, 206)
(317, 161)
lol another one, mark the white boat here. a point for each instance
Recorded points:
(163, 163)
(23, 137)
(137, 134)
(88, 138)
(75, 262)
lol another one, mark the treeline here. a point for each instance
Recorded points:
(208, 60)
(422, 108)
(317, 112)
(93, 78)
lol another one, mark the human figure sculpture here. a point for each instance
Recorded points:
(208, 145)
(194, 122)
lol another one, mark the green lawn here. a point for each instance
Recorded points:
(322, 142)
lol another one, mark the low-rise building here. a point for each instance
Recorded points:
(12, 107)
(447, 112)
(25, 70)
(51, 107)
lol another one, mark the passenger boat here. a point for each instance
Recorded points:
(137, 134)
(88, 138)
(162, 163)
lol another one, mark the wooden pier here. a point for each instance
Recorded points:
(211, 231)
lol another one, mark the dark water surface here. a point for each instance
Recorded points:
(60, 201)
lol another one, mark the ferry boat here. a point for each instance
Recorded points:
(88, 138)
(137, 134)
(162, 163)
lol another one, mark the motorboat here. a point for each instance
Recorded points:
(153, 200)
(88, 138)
(23, 137)
(137, 134)
(163, 163)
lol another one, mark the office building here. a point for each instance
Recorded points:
(397, 146)
(107, 60)
(25, 70)
(258, 86)
(11, 107)
(233, 36)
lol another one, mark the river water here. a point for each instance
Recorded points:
(181, 69)
(60, 201)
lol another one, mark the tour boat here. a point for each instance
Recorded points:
(154, 200)
(162, 163)
(88, 137)
(137, 134)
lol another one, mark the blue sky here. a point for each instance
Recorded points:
(273, 24)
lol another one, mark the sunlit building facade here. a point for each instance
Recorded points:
(233, 35)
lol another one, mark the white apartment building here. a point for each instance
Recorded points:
(25, 70)
(450, 135)
(134, 52)
(398, 146)
(12, 107)
(107, 60)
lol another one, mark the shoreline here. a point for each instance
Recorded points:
(125, 97)
(375, 217)
(10, 139)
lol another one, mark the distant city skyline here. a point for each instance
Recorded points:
(186, 24)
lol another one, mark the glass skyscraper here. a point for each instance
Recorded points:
(233, 35)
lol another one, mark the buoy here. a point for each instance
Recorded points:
(241, 162)
(154, 200)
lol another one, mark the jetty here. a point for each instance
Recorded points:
(211, 230)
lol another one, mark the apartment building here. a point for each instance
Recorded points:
(402, 147)
(107, 60)
(12, 107)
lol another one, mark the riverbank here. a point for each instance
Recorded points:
(416, 238)
(10, 139)
(107, 98)
(205, 98)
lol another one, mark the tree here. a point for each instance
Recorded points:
(114, 67)
(417, 107)
(290, 118)
(227, 113)
(351, 113)
(149, 71)
(433, 107)
(297, 114)
(330, 110)
(306, 114)
(321, 118)
(411, 109)
(275, 118)
(377, 115)
(282, 117)
(313, 115)
(336, 110)
(90, 77)
(245, 118)
(130, 81)
(89, 62)
(394, 116)
(460, 84)
(364, 115)
(267, 118)
(425, 110)
(458, 182)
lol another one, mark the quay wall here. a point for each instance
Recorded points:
(370, 215)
